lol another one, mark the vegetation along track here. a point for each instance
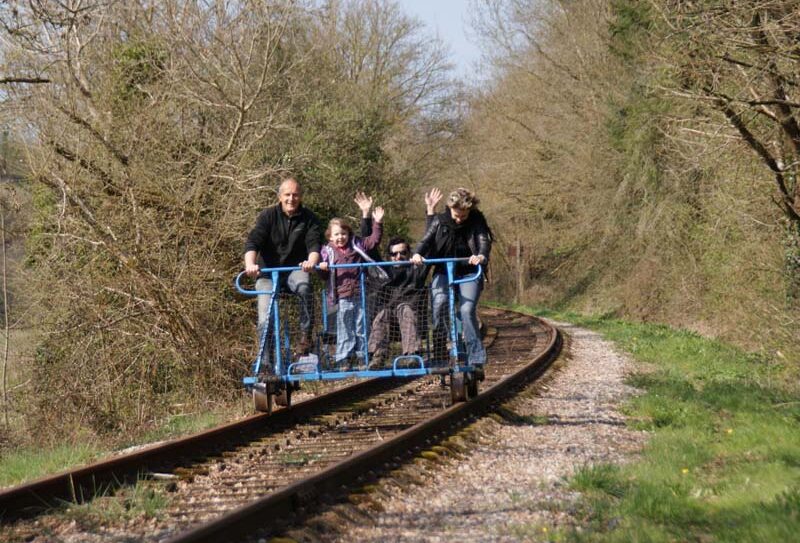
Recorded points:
(265, 471)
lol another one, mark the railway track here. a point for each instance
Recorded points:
(265, 472)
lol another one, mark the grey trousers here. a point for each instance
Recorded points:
(406, 318)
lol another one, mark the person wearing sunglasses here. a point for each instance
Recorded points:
(461, 231)
(402, 301)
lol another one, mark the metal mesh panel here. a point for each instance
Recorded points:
(352, 333)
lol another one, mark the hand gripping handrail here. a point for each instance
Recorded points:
(263, 270)
(427, 261)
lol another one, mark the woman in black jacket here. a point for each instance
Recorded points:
(460, 232)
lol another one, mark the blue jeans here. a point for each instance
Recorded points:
(297, 282)
(349, 328)
(467, 295)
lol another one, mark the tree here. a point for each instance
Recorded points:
(372, 87)
(158, 131)
(142, 140)
(534, 137)
(741, 61)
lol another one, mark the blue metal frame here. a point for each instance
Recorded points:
(289, 376)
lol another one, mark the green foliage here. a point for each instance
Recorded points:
(640, 201)
(348, 156)
(183, 424)
(136, 64)
(630, 28)
(39, 242)
(792, 260)
(341, 148)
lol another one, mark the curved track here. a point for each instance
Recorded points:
(265, 471)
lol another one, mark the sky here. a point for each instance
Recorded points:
(450, 20)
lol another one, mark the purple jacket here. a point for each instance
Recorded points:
(344, 281)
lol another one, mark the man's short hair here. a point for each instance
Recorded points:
(395, 241)
(286, 179)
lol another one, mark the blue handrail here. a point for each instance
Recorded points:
(426, 262)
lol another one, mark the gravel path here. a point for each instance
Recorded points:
(507, 484)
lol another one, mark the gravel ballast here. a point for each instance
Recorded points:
(508, 481)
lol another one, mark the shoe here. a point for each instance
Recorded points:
(346, 364)
(355, 362)
(377, 360)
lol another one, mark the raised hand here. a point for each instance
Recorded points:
(364, 203)
(377, 214)
(431, 199)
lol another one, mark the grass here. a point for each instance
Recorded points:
(29, 463)
(185, 424)
(723, 459)
(143, 500)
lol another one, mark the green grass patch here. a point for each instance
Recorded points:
(29, 463)
(144, 500)
(186, 424)
(723, 459)
(26, 464)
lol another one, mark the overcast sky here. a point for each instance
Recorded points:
(448, 18)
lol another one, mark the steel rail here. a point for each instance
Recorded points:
(82, 484)
(283, 507)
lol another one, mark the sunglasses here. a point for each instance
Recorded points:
(398, 253)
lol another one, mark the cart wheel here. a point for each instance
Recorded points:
(284, 396)
(458, 388)
(262, 400)
(472, 385)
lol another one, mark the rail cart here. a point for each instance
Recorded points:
(272, 381)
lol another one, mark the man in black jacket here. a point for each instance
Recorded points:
(285, 234)
(403, 300)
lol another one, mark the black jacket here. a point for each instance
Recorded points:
(444, 239)
(406, 284)
(284, 241)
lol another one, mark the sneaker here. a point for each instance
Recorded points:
(345, 364)
(377, 360)
(356, 362)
